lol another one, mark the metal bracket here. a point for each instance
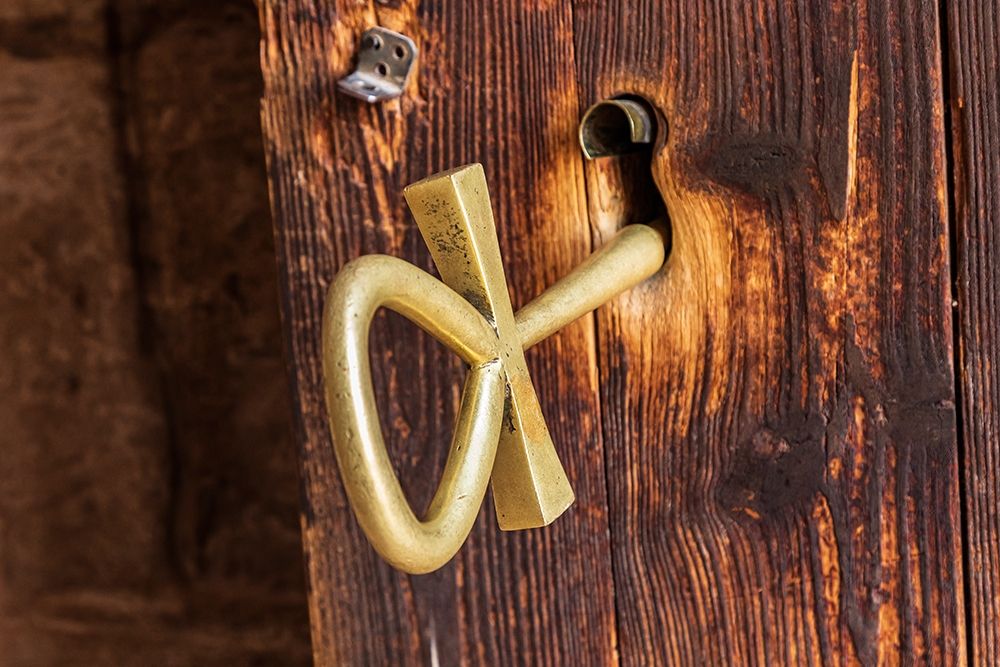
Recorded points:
(385, 62)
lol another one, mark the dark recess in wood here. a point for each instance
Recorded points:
(148, 487)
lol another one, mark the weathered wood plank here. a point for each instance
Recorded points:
(496, 85)
(974, 102)
(784, 484)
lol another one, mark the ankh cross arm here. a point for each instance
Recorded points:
(468, 310)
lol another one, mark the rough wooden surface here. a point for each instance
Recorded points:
(496, 85)
(780, 402)
(148, 486)
(974, 98)
(776, 426)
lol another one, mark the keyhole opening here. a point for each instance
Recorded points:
(619, 136)
(617, 126)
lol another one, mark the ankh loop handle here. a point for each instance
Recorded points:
(500, 431)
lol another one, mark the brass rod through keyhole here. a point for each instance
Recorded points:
(621, 135)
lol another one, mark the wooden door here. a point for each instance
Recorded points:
(762, 438)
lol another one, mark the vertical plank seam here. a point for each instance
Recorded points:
(955, 236)
(596, 354)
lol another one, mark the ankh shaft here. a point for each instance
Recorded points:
(634, 254)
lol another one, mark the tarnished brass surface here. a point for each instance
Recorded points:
(500, 430)
(616, 127)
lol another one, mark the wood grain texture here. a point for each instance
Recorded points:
(497, 85)
(974, 102)
(784, 484)
(776, 425)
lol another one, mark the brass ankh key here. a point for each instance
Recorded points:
(470, 312)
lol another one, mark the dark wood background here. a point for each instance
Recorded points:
(148, 484)
(764, 438)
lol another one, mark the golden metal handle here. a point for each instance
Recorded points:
(469, 311)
